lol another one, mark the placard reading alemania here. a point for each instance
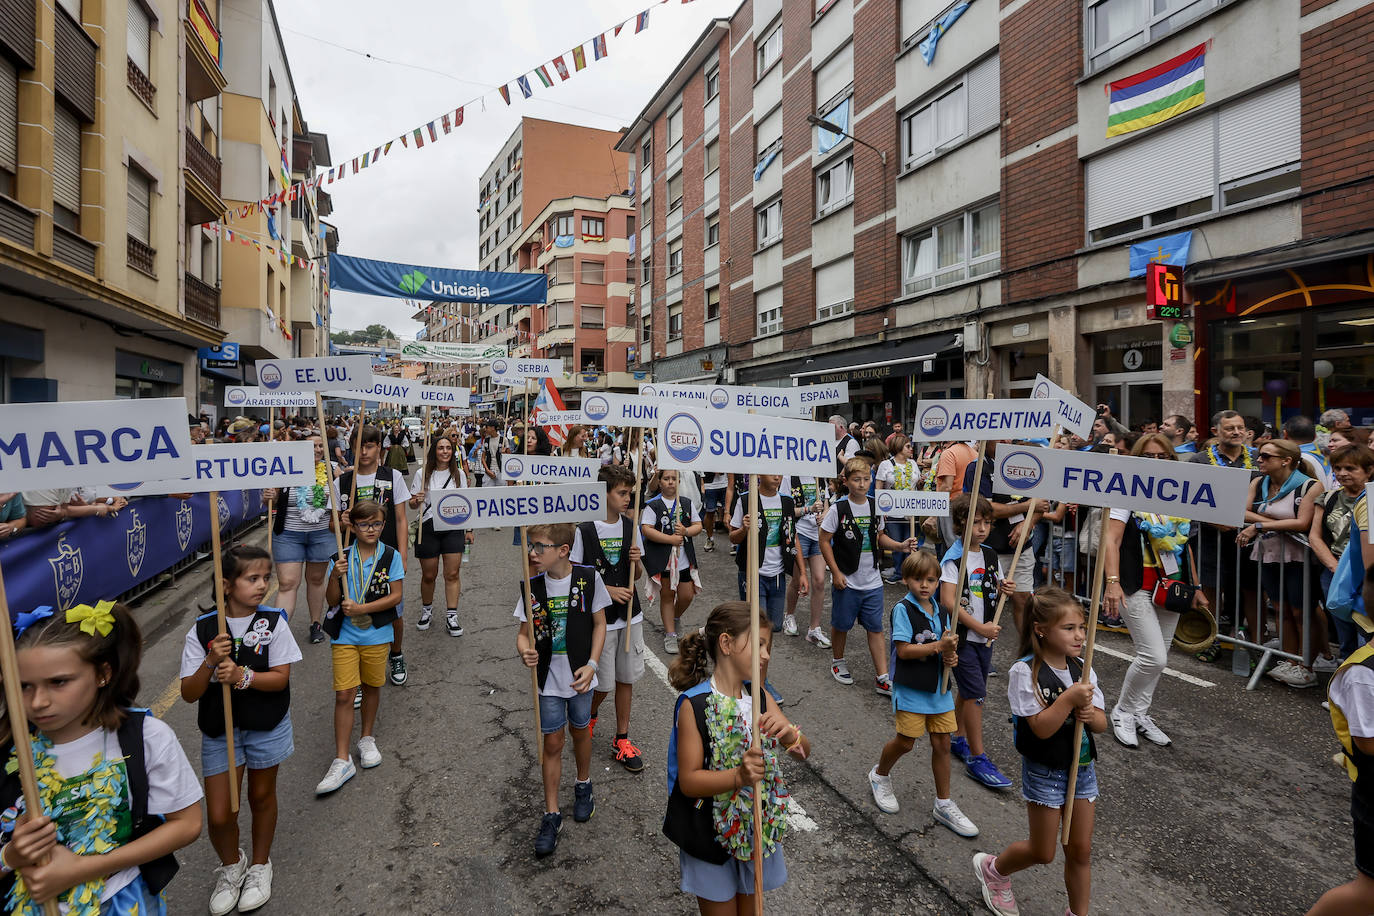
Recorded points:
(912, 503)
(1182, 489)
(86, 443)
(549, 470)
(245, 466)
(973, 419)
(1073, 414)
(315, 374)
(621, 409)
(496, 507)
(253, 396)
(387, 390)
(710, 440)
(778, 402)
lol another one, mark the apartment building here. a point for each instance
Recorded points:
(448, 322)
(108, 159)
(977, 228)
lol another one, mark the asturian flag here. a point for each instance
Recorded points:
(549, 399)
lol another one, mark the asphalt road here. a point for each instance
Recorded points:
(1245, 814)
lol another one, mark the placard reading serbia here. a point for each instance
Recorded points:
(245, 466)
(971, 419)
(911, 503)
(709, 440)
(549, 470)
(1194, 491)
(488, 507)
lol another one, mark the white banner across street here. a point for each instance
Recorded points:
(383, 389)
(1073, 414)
(245, 466)
(511, 370)
(549, 470)
(1178, 488)
(779, 402)
(718, 440)
(253, 396)
(496, 507)
(316, 374)
(983, 419)
(87, 443)
(911, 503)
(621, 409)
(560, 418)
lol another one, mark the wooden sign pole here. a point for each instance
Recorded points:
(755, 682)
(1021, 544)
(333, 503)
(223, 629)
(271, 437)
(453, 460)
(968, 536)
(529, 613)
(634, 519)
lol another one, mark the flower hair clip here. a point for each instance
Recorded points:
(93, 620)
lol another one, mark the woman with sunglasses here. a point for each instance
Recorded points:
(1139, 549)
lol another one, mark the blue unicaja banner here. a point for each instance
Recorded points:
(435, 284)
(91, 558)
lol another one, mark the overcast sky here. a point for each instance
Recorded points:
(420, 206)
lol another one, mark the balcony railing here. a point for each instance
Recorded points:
(202, 301)
(140, 83)
(142, 256)
(202, 163)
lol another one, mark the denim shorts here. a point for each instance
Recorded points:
(772, 596)
(260, 750)
(712, 500)
(1042, 785)
(848, 605)
(557, 712)
(303, 546)
(808, 547)
(724, 882)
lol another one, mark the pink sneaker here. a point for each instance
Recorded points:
(996, 889)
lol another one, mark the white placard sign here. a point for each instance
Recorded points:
(720, 440)
(983, 419)
(560, 418)
(315, 374)
(1369, 501)
(912, 503)
(55, 444)
(541, 469)
(252, 396)
(778, 402)
(621, 409)
(246, 466)
(1178, 488)
(1073, 414)
(497, 507)
(512, 370)
(384, 389)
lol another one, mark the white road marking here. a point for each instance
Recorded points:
(1186, 678)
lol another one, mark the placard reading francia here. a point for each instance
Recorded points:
(244, 466)
(779, 402)
(496, 507)
(621, 409)
(387, 390)
(316, 374)
(549, 470)
(711, 440)
(252, 396)
(912, 503)
(86, 443)
(1073, 414)
(1194, 491)
(508, 370)
(560, 418)
(973, 419)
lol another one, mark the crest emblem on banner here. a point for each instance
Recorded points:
(224, 518)
(67, 570)
(185, 523)
(136, 542)
(243, 494)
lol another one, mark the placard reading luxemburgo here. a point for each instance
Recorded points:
(87, 443)
(712, 440)
(912, 503)
(560, 418)
(512, 370)
(621, 409)
(983, 419)
(252, 396)
(1178, 488)
(549, 470)
(779, 402)
(316, 374)
(246, 466)
(496, 507)
(1073, 414)
(387, 390)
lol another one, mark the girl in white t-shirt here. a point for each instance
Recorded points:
(442, 470)
(117, 777)
(668, 524)
(899, 472)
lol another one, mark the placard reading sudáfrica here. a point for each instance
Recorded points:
(253, 396)
(621, 409)
(245, 466)
(1073, 414)
(911, 503)
(711, 440)
(496, 507)
(549, 470)
(315, 374)
(975, 419)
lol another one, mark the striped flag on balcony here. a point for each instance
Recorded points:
(1157, 94)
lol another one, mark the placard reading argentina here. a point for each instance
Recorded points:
(242, 466)
(1072, 414)
(621, 409)
(252, 396)
(912, 503)
(709, 440)
(86, 443)
(496, 507)
(316, 374)
(983, 419)
(549, 470)
(1194, 491)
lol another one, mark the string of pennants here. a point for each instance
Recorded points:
(486, 327)
(285, 257)
(562, 66)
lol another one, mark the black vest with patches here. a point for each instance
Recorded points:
(254, 710)
(992, 575)
(787, 536)
(921, 674)
(617, 574)
(1056, 751)
(656, 554)
(384, 486)
(579, 627)
(378, 587)
(847, 541)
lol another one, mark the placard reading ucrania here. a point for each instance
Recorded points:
(1182, 489)
(496, 507)
(975, 419)
(253, 396)
(549, 470)
(1072, 414)
(560, 418)
(711, 440)
(243, 466)
(387, 390)
(912, 503)
(86, 443)
(621, 409)
(778, 402)
(315, 374)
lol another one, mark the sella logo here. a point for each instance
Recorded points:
(454, 509)
(683, 437)
(237, 395)
(270, 376)
(934, 419)
(885, 501)
(720, 398)
(650, 391)
(596, 408)
(499, 366)
(1022, 470)
(1041, 391)
(514, 468)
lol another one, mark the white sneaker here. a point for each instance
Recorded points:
(839, 670)
(1298, 676)
(816, 636)
(426, 615)
(368, 755)
(1280, 671)
(1123, 727)
(257, 887)
(340, 772)
(228, 886)
(883, 796)
(948, 813)
(1272, 643)
(789, 624)
(1325, 664)
(1152, 732)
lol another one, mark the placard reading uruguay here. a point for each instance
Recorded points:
(621, 409)
(549, 470)
(911, 503)
(1194, 491)
(252, 396)
(387, 390)
(709, 440)
(973, 419)
(1072, 414)
(496, 507)
(316, 374)
(85, 443)
(244, 466)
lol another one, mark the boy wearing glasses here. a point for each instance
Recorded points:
(569, 631)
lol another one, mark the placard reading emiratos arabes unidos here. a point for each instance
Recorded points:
(241, 466)
(938, 421)
(496, 507)
(741, 443)
(252, 396)
(316, 374)
(912, 503)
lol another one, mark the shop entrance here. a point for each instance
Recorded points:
(1128, 374)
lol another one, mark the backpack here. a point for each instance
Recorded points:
(1345, 597)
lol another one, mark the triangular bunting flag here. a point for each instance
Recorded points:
(561, 67)
(642, 22)
(448, 126)
(619, 27)
(419, 139)
(599, 46)
(542, 71)
(579, 58)
(458, 118)
(524, 83)
(505, 93)
(433, 137)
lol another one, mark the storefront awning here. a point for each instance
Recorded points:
(879, 361)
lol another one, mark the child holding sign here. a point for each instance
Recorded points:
(669, 523)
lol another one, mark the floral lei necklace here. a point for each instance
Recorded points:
(1214, 458)
(733, 811)
(311, 501)
(92, 834)
(1167, 534)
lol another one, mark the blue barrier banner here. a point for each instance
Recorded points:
(435, 284)
(91, 558)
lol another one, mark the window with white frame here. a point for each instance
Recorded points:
(835, 288)
(713, 230)
(674, 129)
(834, 186)
(713, 303)
(140, 194)
(768, 50)
(768, 221)
(712, 82)
(960, 248)
(675, 192)
(9, 126)
(712, 156)
(66, 172)
(960, 111)
(1242, 152)
(140, 37)
(593, 227)
(675, 322)
(593, 316)
(768, 311)
(563, 224)
(675, 257)
(1115, 28)
(835, 77)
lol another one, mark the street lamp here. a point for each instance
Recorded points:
(833, 128)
